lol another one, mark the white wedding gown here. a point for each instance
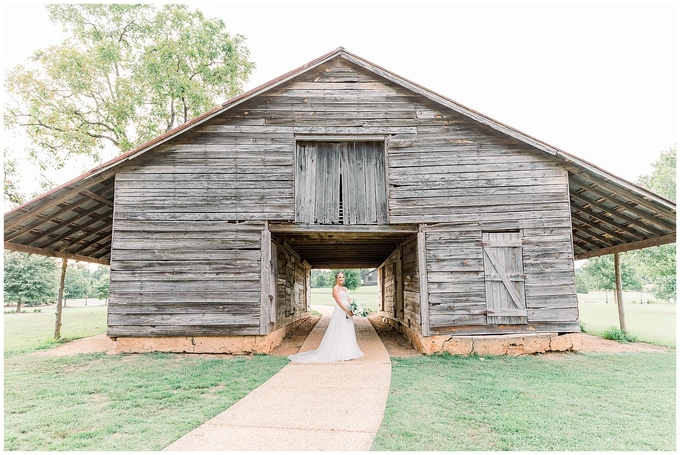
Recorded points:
(338, 343)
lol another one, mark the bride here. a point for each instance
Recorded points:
(339, 342)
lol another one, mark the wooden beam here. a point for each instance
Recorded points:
(619, 292)
(290, 228)
(97, 197)
(656, 241)
(424, 294)
(55, 254)
(43, 220)
(60, 300)
(265, 277)
(632, 223)
(58, 197)
(636, 193)
(612, 195)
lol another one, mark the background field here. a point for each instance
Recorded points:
(653, 323)
(650, 322)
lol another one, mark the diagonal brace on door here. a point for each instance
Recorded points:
(504, 277)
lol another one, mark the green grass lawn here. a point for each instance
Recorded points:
(365, 295)
(653, 323)
(569, 402)
(100, 402)
(25, 332)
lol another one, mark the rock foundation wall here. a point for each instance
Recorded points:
(512, 345)
(234, 345)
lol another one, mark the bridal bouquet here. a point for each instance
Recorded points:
(358, 309)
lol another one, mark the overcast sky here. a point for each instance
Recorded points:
(598, 80)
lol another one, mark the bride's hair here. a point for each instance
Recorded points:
(339, 273)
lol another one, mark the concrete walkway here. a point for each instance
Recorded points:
(322, 406)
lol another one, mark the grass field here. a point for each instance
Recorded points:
(654, 323)
(25, 332)
(100, 402)
(365, 295)
(570, 402)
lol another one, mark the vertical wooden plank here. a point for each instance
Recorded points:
(301, 173)
(361, 192)
(274, 276)
(265, 277)
(320, 184)
(333, 183)
(422, 275)
(381, 183)
(370, 163)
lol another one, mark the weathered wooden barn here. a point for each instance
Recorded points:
(212, 229)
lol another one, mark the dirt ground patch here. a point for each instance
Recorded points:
(394, 342)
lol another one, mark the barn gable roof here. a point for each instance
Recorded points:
(74, 220)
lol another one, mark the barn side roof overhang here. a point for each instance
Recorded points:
(74, 220)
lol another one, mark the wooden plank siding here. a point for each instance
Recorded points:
(446, 172)
(293, 286)
(184, 278)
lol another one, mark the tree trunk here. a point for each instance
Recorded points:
(18, 307)
(57, 324)
(619, 292)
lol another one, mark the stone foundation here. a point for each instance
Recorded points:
(234, 345)
(512, 345)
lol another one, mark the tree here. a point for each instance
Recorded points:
(657, 265)
(320, 278)
(352, 278)
(100, 279)
(12, 193)
(124, 74)
(662, 179)
(29, 279)
(598, 273)
(77, 282)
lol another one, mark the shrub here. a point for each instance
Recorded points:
(614, 333)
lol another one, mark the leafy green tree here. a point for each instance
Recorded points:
(29, 279)
(124, 74)
(352, 278)
(77, 281)
(12, 193)
(582, 282)
(657, 265)
(662, 179)
(598, 273)
(100, 280)
(320, 278)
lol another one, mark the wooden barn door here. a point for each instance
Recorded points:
(340, 183)
(504, 278)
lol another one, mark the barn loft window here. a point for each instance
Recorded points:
(340, 182)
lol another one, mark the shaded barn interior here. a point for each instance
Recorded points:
(213, 228)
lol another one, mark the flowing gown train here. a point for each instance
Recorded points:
(338, 343)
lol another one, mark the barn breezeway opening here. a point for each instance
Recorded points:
(389, 250)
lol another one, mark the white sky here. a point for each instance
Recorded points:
(597, 79)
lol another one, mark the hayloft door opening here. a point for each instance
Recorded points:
(340, 183)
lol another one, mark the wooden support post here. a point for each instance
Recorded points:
(619, 292)
(57, 324)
